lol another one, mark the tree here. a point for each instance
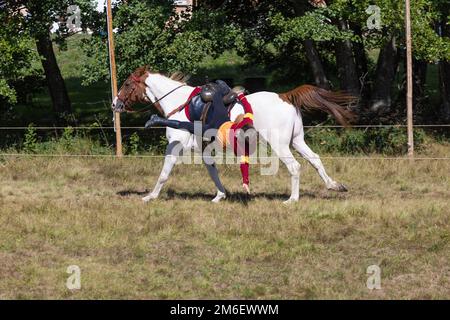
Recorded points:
(345, 60)
(444, 64)
(312, 54)
(35, 18)
(382, 90)
(290, 39)
(148, 33)
(290, 34)
(16, 56)
(55, 81)
(390, 39)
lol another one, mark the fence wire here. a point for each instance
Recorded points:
(306, 127)
(9, 155)
(112, 156)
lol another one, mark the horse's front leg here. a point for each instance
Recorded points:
(173, 150)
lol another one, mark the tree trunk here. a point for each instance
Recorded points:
(381, 100)
(315, 63)
(420, 68)
(444, 77)
(347, 71)
(361, 64)
(55, 81)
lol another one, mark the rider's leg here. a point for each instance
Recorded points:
(217, 110)
(214, 174)
(155, 120)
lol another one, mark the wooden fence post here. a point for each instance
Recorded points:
(409, 95)
(112, 64)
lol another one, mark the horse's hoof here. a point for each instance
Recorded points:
(339, 187)
(290, 201)
(149, 198)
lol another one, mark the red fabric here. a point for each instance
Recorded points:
(246, 149)
(239, 125)
(244, 172)
(195, 92)
(247, 109)
(245, 103)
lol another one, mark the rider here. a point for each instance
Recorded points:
(217, 117)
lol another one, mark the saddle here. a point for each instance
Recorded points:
(198, 107)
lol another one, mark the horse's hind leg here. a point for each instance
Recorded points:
(305, 151)
(172, 152)
(285, 155)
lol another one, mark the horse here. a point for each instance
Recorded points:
(271, 111)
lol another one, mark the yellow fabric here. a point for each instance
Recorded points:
(245, 159)
(223, 133)
(249, 115)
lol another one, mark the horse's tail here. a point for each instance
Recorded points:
(313, 98)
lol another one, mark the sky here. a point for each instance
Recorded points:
(100, 5)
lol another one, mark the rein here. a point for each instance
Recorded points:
(148, 108)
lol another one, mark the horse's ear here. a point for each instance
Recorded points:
(137, 71)
(140, 71)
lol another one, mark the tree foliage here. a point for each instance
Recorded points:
(16, 57)
(283, 37)
(147, 33)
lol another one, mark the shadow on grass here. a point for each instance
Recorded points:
(172, 195)
(237, 197)
(127, 193)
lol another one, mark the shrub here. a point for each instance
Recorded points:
(134, 143)
(30, 141)
(388, 141)
(353, 141)
(67, 138)
(323, 139)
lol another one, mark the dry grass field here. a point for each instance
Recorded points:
(56, 212)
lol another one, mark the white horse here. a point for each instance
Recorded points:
(272, 111)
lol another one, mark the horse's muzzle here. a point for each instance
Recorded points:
(118, 106)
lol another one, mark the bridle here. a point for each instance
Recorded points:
(137, 81)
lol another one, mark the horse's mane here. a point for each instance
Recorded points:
(141, 70)
(175, 76)
(179, 76)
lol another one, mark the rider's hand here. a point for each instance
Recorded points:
(246, 188)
